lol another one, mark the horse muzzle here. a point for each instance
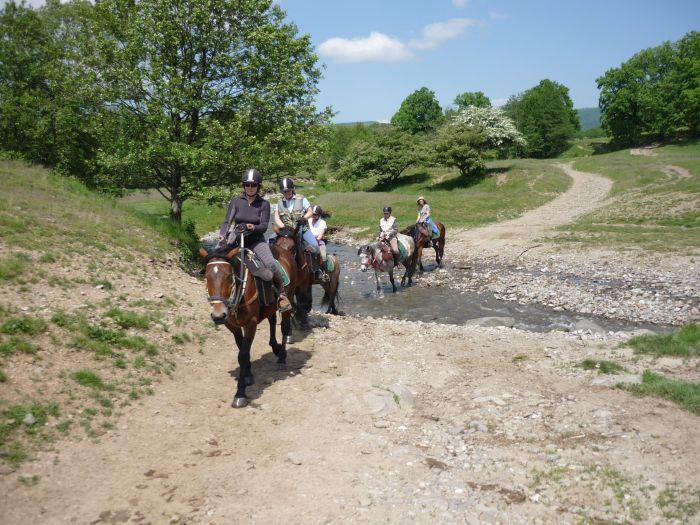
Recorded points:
(218, 318)
(363, 267)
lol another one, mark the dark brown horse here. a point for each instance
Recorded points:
(235, 302)
(287, 241)
(421, 241)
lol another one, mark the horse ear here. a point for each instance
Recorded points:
(203, 253)
(233, 253)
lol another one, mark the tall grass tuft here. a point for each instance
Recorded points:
(684, 343)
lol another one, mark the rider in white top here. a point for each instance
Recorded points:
(318, 227)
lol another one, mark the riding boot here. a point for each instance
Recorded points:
(318, 273)
(283, 303)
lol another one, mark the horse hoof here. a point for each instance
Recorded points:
(249, 380)
(288, 339)
(239, 402)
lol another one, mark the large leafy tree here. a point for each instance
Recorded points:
(546, 117)
(386, 156)
(655, 94)
(474, 130)
(419, 112)
(197, 90)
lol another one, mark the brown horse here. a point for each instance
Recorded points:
(438, 243)
(234, 300)
(287, 241)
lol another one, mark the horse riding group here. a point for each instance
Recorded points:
(393, 248)
(250, 279)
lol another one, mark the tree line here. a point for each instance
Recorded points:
(181, 96)
(176, 95)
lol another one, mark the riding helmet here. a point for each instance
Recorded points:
(286, 184)
(252, 175)
(387, 209)
(316, 210)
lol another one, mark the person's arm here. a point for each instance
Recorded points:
(223, 231)
(277, 219)
(264, 219)
(308, 210)
(394, 227)
(321, 232)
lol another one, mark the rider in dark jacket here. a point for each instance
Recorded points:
(249, 212)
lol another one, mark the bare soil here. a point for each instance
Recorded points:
(380, 421)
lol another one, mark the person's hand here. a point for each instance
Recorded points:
(249, 226)
(301, 222)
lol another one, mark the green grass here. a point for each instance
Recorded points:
(654, 207)
(13, 265)
(509, 189)
(683, 343)
(16, 344)
(602, 366)
(38, 208)
(126, 319)
(683, 393)
(90, 379)
(23, 325)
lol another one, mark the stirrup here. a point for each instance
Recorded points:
(326, 278)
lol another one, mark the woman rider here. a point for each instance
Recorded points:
(251, 213)
(388, 228)
(318, 227)
(423, 221)
(294, 209)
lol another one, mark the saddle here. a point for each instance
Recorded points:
(262, 277)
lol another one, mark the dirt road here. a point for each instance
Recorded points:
(380, 421)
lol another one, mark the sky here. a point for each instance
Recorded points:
(377, 52)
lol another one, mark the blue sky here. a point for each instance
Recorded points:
(378, 52)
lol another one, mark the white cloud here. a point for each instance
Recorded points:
(377, 47)
(460, 3)
(435, 34)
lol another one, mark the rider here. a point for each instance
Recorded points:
(292, 210)
(318, 227)
(388, 228)
(249, 212)
(423, 221)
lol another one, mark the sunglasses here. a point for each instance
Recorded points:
(250, 184)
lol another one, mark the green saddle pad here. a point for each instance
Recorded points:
(330, 264)
(283, 273)
(403, 252)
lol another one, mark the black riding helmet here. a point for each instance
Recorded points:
(387, 209)
(252, 175)
(286, 184)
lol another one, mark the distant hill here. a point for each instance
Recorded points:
(589, 117)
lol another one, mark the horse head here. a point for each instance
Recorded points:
(220, 282)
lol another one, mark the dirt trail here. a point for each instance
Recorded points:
(380, 421)
(509, 238)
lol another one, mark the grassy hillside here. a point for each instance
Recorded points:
(88, 321)
(655, 200)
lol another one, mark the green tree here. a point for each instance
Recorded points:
(546, 117)
(472, 98)
(341, 137)
(419, 112)
(390, 153)
(655, 94)
(197, 90)
(473, 131)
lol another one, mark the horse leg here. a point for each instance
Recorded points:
(376, 278)
(304, 307)
(391, 278)
(280, 350)
(244, 341)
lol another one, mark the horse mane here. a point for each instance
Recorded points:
(220, 252)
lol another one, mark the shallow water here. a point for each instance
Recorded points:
(442, 304)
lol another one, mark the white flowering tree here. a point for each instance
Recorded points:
(474, 130)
